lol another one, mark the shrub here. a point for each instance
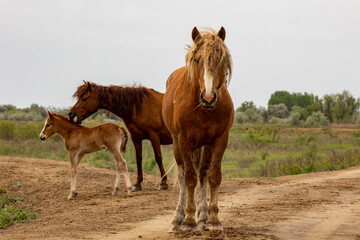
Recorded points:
(317, 119)
(279, 111)
(294, 119)
(7, 130)
(240, 117)
(356, 118)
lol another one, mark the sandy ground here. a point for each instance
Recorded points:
(311, 206)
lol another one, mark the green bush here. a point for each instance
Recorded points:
(7, 130)
(240, 117)
(317, 119)
(294, 119)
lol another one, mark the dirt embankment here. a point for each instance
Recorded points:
(311, 206)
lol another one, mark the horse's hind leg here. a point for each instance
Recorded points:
(202, 157)
(155, 142)
(121, 164)
(138, 150)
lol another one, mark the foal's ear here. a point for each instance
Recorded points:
(222, 33)
(195, 35)
(89, 86)
(50, 115)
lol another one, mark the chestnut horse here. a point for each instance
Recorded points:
(139, 107)
(81, 140)
(198, 111)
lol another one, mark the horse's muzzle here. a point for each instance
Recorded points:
(208, 102)
(72, 117)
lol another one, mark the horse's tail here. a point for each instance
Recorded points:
(124, 139)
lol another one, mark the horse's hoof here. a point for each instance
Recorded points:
(72, 195)
(114, 194)
(174, 228)
(136, 188)
(200, 226)
(187, 228)
(163, 186)
(213, 226)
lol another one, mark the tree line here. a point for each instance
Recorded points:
(36, 113)
(283, 107)
(302, 108)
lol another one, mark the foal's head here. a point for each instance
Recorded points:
(209, 62)
(50, 127)
(87, 102)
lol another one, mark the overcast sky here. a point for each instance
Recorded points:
(48, 47)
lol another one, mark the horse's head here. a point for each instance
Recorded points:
(49, 127)
(209, 63)
(87, 103)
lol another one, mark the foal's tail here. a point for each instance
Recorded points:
(124, 139)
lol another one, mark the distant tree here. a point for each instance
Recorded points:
(245, 106)
(279, 97)
(345, 106)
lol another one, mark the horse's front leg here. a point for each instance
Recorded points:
(190, 181)
(214, 178)
(138, 151)
(75, 159)
(180, 209)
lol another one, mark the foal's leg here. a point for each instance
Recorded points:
(121, 164)
(155, 142)
(75, 159)
(138, 150)
(180, 209)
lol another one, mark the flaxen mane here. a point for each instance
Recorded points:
(204, 51)
(125, 98)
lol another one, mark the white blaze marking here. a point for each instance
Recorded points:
(41, 134)
(208, 82)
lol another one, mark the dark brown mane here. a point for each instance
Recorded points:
(123, 98)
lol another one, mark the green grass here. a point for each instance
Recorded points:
(11, 213)
(252, 151)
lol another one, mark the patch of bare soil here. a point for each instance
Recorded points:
(311, 206)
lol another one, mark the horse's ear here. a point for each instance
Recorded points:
(50, 115)
(222, 33)
(195, 35)
(89, 86)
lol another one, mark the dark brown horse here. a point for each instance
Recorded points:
(139, 107)
(198, 111)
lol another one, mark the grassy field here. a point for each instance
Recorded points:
(253, 150)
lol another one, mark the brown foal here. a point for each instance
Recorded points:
(80, 140)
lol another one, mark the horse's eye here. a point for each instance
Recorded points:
(84, 99)
(47, 125)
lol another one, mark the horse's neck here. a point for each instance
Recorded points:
(65, 128)
(106, 103)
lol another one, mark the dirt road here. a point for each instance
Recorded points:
(312, 206)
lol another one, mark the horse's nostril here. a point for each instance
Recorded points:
(208, 99)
